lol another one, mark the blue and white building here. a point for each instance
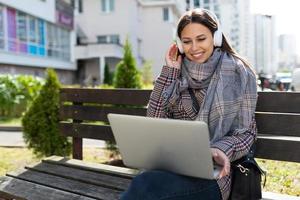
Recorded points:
(35, 35)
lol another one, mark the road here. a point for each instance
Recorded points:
(15, 139)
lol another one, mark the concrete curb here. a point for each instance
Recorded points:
(11, 128)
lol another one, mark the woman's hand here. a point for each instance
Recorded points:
(171, 57)
(221, 159)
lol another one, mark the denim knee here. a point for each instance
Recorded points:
(155, 185)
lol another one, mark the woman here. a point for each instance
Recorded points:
(208, 81)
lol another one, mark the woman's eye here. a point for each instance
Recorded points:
(186, 42)
(201, 39)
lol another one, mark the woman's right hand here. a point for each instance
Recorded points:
(172, 60)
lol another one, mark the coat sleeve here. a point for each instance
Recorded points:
(155, 105)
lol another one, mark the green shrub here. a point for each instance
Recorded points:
(127, 75)
(108, 75)
(16, 93)
(8, 95)
(40, 122)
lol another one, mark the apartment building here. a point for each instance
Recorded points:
(35, 35)
(102, 27)
(265, 44)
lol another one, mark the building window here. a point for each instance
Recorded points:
(206, 1)
(11, 30)
(80, 7)
(107, 6)
(108, 39)
(1, 27)
(197, 3)
(166, 14)
(32, 46)
(22, 27)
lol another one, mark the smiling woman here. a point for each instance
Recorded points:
(208, 81)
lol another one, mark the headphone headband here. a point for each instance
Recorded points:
(217, 34)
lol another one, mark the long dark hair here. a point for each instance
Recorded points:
(201, 16)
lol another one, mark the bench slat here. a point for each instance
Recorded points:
(100, 132)
(95, 113)
(32, 191)
(94, 167)
(106, 96)
(89, 177)
(284, 102)
(278, 149)
(67, 185)
(278, 124)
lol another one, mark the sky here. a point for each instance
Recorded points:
(287, 15)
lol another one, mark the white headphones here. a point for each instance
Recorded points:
(217, 33)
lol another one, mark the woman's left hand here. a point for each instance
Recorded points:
(221, 159)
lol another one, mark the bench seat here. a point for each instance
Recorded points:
(58, 178)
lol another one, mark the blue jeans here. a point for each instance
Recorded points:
(159, 185)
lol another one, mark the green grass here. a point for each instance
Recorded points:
(10, 121)
(282, 177)
(16, 158)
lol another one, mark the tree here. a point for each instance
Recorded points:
(40, 122)
(108, 76)
(127, 75)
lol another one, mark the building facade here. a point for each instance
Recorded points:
(102, 27)
(287, 54)
(265, 44)
(35, 35)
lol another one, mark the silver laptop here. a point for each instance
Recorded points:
(173, 145)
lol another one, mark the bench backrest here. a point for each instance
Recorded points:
(83, 114)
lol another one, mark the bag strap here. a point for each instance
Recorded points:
(250, 156)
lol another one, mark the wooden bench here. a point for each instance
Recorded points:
(278, 121)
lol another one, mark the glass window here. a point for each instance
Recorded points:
(80, 6)
(108, 39)
(41, 37)
(206, 1)
(11, 29)
(166, 14)
(1, 28)
(32, 30)
(197, 3)
(114, 39)
(22, 26)
(65, 45)
(102, 39)
(107, 6)
(50, 39)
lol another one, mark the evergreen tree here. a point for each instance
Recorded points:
(108, 76)
(127, 75)
(40, 122)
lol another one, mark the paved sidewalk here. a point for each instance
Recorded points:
(15, 139)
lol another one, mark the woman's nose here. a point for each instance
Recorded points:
(194, 46)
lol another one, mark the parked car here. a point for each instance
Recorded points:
(295, 84)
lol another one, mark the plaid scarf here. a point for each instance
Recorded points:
(229, 104)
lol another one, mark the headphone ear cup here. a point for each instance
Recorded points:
(179, 44)
(218, 37)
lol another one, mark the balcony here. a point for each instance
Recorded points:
(94, 50)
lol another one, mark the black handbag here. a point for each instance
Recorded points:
(246, 178)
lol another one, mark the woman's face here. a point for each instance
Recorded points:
(197, 42)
